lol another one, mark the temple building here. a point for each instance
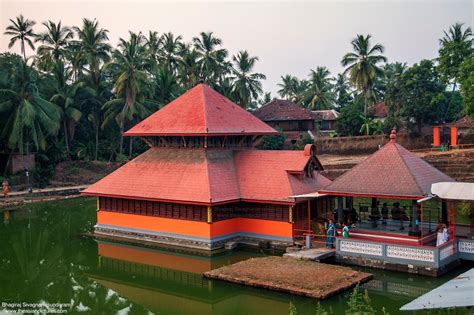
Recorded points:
(395, 218)
(203, 183)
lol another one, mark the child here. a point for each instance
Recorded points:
(345, 231)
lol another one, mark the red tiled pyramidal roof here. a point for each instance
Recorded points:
(210, 176)
(198, 112)
(392, 171)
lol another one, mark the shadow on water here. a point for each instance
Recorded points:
(44, 258)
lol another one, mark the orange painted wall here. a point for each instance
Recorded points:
(454, 135)
(183, 227)
(436, 137)
(275, 228)
(198, 229)
(155, 258)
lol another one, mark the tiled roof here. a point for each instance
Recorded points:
(210, 176)
(392, 171)
(379, 110)
(325, 114)
(464, 122)
(200, 111)
(281, 110)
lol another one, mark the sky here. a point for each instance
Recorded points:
(289, 37)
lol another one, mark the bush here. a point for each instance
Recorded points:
(272, 142)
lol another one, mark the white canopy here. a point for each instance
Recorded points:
(453, 190)
(458, 292)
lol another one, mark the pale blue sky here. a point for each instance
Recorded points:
(288, 37)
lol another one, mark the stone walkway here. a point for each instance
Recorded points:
(18, 197)
(315, 254)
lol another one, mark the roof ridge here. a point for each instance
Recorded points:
(204, 107)
(397, 147)
(357, 166)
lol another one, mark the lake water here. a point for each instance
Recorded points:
(44, 259)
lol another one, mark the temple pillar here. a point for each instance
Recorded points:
(209, 214)
(374, 212)
(444, 211)
(415, 221)
(290, 214)
(340, 207)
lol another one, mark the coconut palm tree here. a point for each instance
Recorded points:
(30, 117)
(363, 65)
(456, 46)
(189, 68)
(319, 94)
(129, 68)
(65, 98)
(165, 85)
(92, 47)
(171, 50)
(247, 84)
(54, 40)
(93, 51)
(293, 89)
(153, 45)
(342, 90)
(212, 56)
(21, 29)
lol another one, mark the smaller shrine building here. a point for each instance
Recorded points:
(393, 214)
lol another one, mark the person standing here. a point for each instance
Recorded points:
(441, 233)
(6, 188)
(331, 233)
(345, 231)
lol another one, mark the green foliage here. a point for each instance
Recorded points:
(315, 93)
(31, 118)
(417, 96)
(363, 65)
(455, 48)
(292, 309)
(320, 310)
(306, 139)
(272, 142)
(247, 85)
(359, 304)
(350, 120)
(466, 78)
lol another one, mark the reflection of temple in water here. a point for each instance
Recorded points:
(172, 283)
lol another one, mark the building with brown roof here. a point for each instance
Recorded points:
(379, 111)
(325, 120)
(292, 119)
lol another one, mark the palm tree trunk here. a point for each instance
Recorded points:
(449, 102)
(366, 100)
(121, 139)
(130, 149)
(66, 140)
(96, 154)
(23, 49)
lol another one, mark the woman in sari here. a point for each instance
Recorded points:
(331, 233)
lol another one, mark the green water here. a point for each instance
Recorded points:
(44, 258)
